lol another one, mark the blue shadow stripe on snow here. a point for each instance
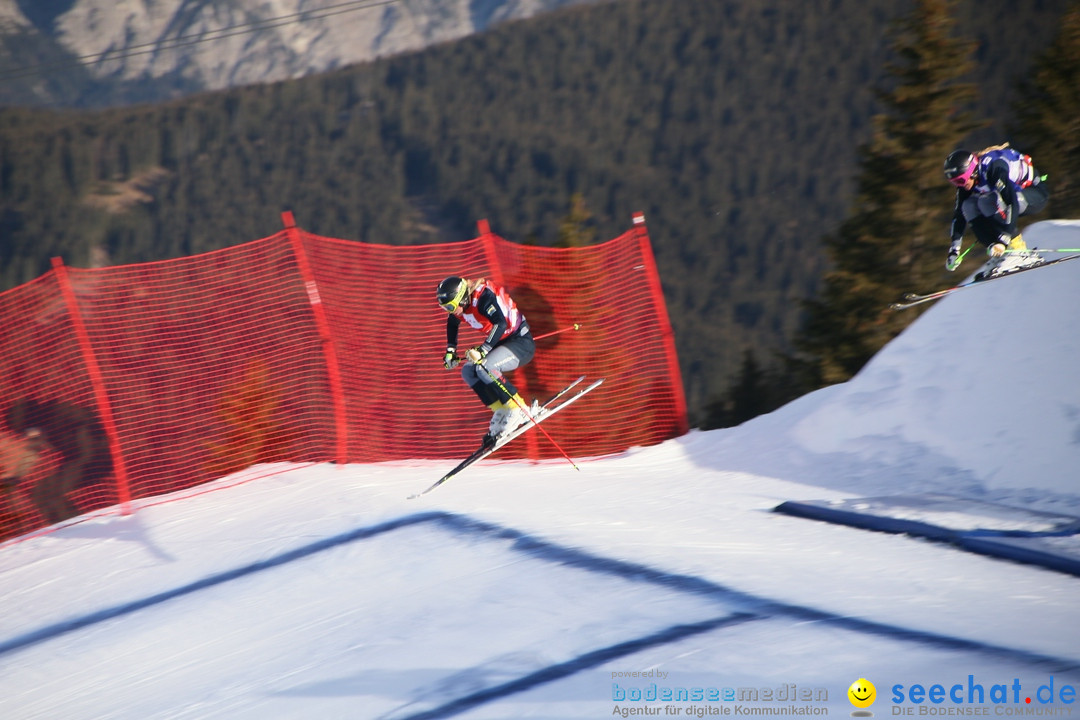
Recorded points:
(751, 603)
(50, 631)
(582, 662)
(573, 557)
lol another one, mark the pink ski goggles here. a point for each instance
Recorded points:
(961, 179)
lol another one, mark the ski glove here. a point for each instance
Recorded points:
(450, 359)
(477, 354)
(953, 260)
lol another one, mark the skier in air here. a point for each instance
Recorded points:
(994, 188)
(507, 346)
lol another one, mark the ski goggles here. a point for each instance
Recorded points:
(961, 179)
(452, 304)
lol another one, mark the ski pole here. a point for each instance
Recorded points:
(575, 326)
(961, 258)
(528, 415)
(1035, 249)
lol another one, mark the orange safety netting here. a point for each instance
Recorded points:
(131, 381)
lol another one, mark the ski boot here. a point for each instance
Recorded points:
(516, 414)
(508, 416)
(1008, 257)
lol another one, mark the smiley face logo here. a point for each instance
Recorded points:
(862, 693)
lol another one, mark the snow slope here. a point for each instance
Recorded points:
(534, 590)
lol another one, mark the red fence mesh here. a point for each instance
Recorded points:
(146, 379)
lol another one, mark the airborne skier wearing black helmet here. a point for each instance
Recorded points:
(507, 346)
(994, 187)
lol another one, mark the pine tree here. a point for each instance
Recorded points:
(574, 228)
(746, 398)
(896, 237)
(756, 390)
(1048, 115)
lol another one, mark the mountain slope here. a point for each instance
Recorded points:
(147, 51)
(638, 105)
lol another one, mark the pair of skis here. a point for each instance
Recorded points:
(912, 299)
(549, 408)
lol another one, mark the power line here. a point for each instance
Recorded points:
(182, 41)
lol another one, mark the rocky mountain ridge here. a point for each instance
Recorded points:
(150, 50)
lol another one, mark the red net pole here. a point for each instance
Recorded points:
(101, 397)
(663, 321)
(333, 370)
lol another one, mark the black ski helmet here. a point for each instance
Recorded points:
(451, 292)
(959, 164)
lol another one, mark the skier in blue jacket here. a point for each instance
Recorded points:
(994, 188)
